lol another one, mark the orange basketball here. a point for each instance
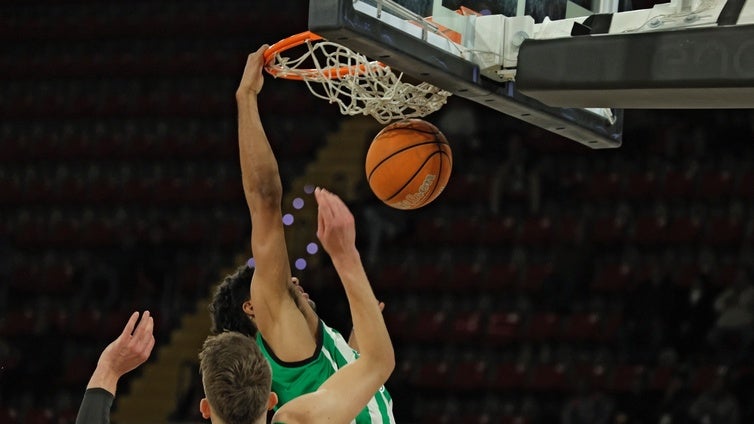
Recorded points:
(408, 164)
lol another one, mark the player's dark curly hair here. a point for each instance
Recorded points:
(226, 308)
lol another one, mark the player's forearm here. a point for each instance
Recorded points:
(374, 340)
(259, 167)
(103, 378)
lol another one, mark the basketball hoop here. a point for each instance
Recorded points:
(358, 86)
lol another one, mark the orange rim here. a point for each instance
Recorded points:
(304, 74)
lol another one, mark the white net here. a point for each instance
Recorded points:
(358, 86)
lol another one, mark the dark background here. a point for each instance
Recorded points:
(548, 282)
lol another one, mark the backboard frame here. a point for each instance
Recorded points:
(698, 68)
(340, 22)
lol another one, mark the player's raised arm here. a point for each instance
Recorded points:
(275, 312)
(346, 392)
(131, 349)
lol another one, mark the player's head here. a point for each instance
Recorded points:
(231, 308)
(227, 309)
(236, 379)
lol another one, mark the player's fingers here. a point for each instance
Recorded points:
(320, 226)
(318, 195)
(149, 327)
(320, 215)
(382, 306)
(129, 328)
(144, 329)
(258, 56)
(149, 343)
(260, 52)
(148, 349)
(336, 204)
(340, 206)
(325, 204)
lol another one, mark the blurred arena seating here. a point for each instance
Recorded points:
(545, 271)
(583, 269)
(120, 182)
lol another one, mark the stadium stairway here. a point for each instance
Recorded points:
(339, 167)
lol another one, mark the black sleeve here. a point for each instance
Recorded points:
(95, 408)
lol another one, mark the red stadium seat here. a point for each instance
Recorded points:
(83, 322)
(548, 377)
(704, 376)
(464, 230)
(19, 322)
(659, 378)
(595, 375)
(641, 185)
(610, 328)
(613, 278)
(392, 276)
(683, 230)
(398, 323)
(535, 275)
(603, 185)
(543, 326)
(608, 230)
(67, 416)
(503, 327)
(430, 230)
(469, 374)
(9, 415)
(678, 185)
(624, 377)
(501, 277)
(430, 326)
(537, 230)
(715, 184)
(433, 374)
(466, 326)
(465, 276)
(40, 416)
(429, 276)
(499, 230)
(724, 231)
(508, 376)
(567, 229)
(745, 186)
(582, 326)
(649, 229)
(77, 371)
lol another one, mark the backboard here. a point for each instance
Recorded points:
(557, 64)
(398, 37)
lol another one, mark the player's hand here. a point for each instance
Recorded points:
(132, 348)
(336, 229)
(252, 79)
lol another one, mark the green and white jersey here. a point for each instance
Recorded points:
(293, 379)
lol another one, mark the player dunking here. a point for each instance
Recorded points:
(235, 372)
(302, 351)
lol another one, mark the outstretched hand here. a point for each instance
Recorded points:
(131, 349)
(252, 79)
(336, 229)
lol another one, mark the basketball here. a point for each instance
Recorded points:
(408, 164)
